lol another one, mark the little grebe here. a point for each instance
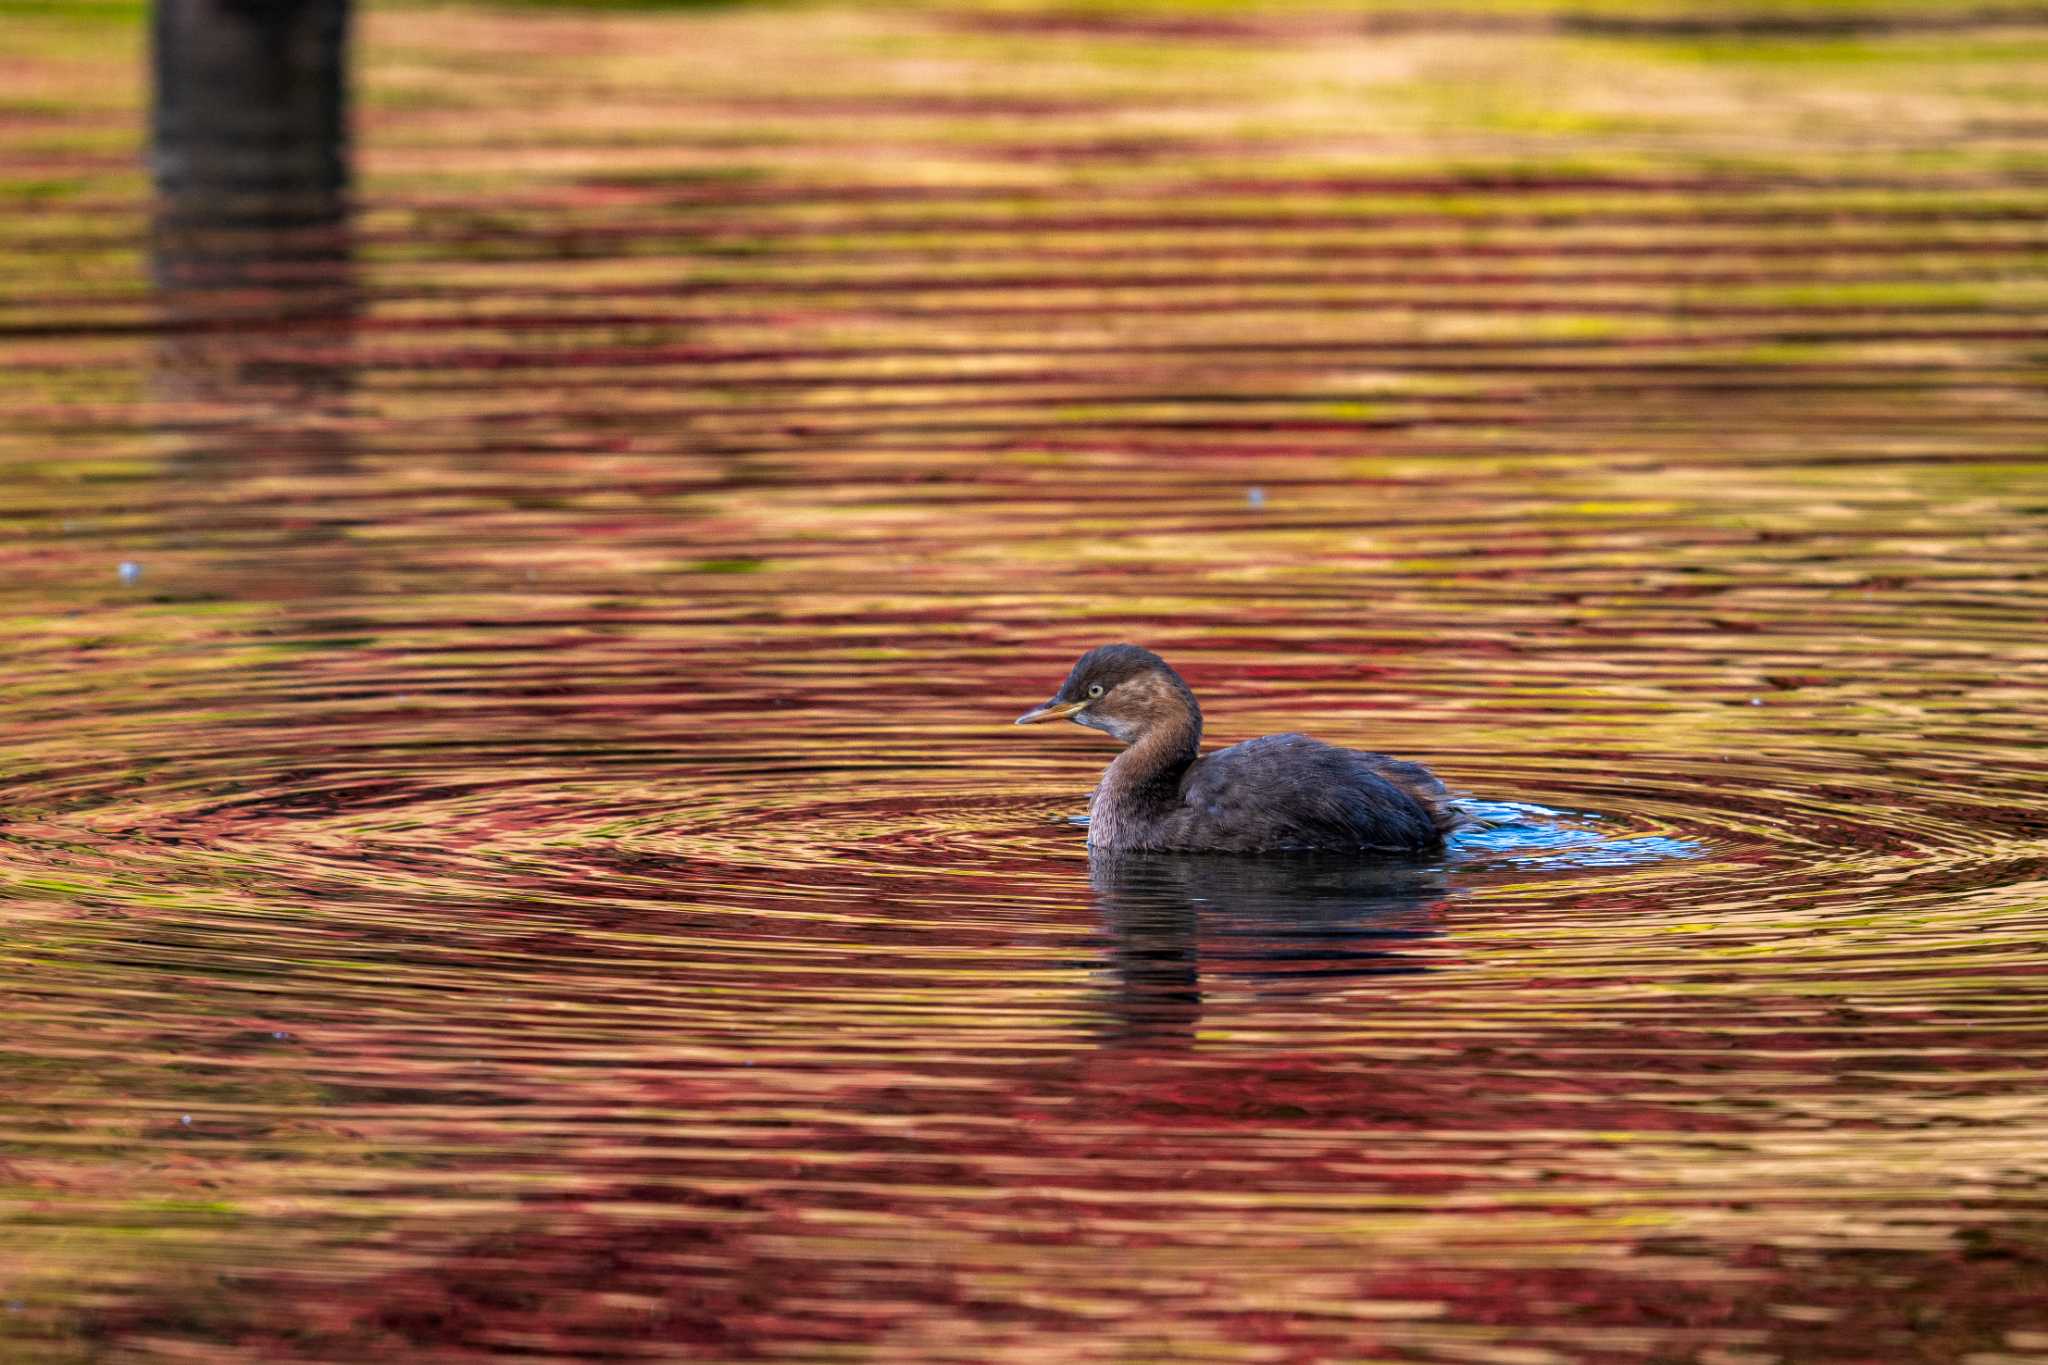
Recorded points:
(1281, 792)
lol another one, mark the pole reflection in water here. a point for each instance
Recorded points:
(1300, 924)
(251, 252)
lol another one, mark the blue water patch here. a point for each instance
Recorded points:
(1519, 833)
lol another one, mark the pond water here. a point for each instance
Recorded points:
(510, 833)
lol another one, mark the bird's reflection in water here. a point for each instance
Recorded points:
(1303, 924)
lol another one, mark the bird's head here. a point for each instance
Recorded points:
(1122, 690)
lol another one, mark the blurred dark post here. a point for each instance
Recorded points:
(251, 98)
(250, 252)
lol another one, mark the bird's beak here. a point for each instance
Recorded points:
(1051, 711)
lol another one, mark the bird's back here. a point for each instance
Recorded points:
(1293, 792)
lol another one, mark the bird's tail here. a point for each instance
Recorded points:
(1470, 813)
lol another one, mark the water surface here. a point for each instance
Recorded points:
(529, 856)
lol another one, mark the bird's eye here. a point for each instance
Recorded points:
(1095, 689)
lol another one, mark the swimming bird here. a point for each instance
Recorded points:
(1275, 794)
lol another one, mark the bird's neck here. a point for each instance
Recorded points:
(1145, 774)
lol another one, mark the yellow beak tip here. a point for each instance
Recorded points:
(1045, 713)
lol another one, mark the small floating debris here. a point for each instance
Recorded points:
(1255, 497)
(129, 571)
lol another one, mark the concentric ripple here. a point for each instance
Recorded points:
(510, 836)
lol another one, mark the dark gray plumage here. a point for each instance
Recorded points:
(1278, 793)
